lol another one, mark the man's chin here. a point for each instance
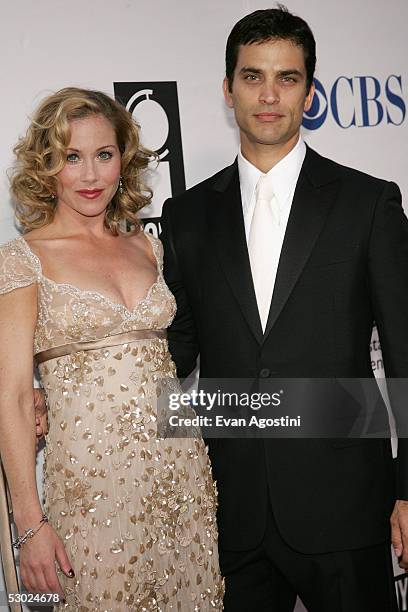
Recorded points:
(272, 138)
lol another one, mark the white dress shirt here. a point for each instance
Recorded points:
(284, 177)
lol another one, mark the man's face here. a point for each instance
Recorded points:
(269, 92)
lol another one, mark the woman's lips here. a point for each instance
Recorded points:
(90, 194)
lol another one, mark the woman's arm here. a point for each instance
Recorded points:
(18, 315)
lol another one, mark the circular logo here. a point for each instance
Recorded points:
(317, 113)
(152, 118)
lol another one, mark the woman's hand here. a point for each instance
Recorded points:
(37, 562)
(41, 414)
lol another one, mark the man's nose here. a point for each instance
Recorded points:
(269, 93)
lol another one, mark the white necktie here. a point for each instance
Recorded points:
(264, 245)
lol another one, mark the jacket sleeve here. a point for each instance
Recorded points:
(182, 334)
(388, 278)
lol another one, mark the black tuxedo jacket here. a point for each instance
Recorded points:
(344, 264)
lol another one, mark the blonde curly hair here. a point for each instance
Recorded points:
(41, 155)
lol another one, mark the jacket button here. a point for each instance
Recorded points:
(264, 373)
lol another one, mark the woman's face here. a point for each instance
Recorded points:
(90, 177)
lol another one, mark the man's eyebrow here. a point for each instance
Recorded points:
(290, 72)
(245, 69)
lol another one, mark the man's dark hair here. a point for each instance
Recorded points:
(270, 24)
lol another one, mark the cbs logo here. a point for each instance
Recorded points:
(360, 101)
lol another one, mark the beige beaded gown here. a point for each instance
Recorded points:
(136, 512)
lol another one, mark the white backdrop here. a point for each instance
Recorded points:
(48, 44)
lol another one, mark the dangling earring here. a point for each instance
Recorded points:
(121, 189)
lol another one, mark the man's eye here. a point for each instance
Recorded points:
(289, 79)
(72, 157)
(104, 155)
(251, 77)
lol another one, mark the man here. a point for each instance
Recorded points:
(296, 517)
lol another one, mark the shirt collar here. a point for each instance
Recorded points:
(285, 175)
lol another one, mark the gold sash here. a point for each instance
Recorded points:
(74, 347)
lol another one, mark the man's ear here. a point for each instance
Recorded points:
(227, 93)
(309, 98)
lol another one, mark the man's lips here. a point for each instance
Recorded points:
(90, 194)
(268, 117)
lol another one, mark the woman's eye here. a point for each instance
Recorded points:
(105, 155)
(72, 157)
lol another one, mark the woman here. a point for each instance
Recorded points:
(131, 516)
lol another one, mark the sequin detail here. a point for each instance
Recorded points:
(136, 513)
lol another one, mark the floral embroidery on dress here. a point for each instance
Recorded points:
(135, 508)
(66, 312)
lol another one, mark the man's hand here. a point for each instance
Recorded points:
(41, 414)
(399, 532)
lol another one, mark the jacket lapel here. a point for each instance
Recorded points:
(314, 196)
(226, 224)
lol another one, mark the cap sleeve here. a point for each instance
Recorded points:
(18, 266)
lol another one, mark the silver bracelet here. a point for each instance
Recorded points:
(30, 532)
